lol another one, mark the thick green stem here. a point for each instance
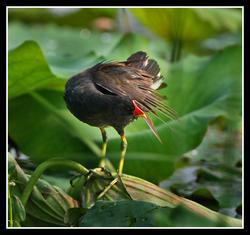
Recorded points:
(44, 166)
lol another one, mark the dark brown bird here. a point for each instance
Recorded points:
(116, 93)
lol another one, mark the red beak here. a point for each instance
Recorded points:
(139, 113)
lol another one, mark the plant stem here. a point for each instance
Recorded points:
(10, 208)
(176, 50)
(45, 165)
(173, 51)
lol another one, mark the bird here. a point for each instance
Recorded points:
(114, 94)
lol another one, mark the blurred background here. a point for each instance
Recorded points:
(199, 51)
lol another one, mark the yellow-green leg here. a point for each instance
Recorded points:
(104, 142)
(104, 147)
(120, 167)
(123, 153)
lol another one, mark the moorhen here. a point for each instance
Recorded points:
(116, 93)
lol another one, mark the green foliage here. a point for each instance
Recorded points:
(128, 213)
(206, 90)
(209, 176)
(190, 24)
(45, 50)
(67, 50)
(31, 71)
(119, 214)
(71, 17)
(182, 217)
(48, 203)
(46, 111)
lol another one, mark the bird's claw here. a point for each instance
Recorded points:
(111, 180)
(112, 183)
(95, 173)
(106, 189)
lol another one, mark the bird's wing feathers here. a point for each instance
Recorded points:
(134, 80)
(141, 61)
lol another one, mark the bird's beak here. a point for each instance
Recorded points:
(151, 125)
(139, 113)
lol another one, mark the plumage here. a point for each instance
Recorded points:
(116, 93)
(102, 95)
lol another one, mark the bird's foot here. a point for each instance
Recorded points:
(116, 180)
(102, 184)
(92, 172)
(105, 163)
(99, 172)
(106, 189)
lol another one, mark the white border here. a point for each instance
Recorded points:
(240, 7)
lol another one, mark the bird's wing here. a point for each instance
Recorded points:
(140, 60)
(123, 79)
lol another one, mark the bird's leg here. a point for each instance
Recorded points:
(105, 163)
(104, 147)
(123, 152)
(120, 168)
(104, 142)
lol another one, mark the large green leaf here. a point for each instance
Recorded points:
(28, 71)
(67, 50)
(127, 213)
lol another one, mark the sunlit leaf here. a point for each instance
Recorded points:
(67, 50)
(189, 24)
(28, 71)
